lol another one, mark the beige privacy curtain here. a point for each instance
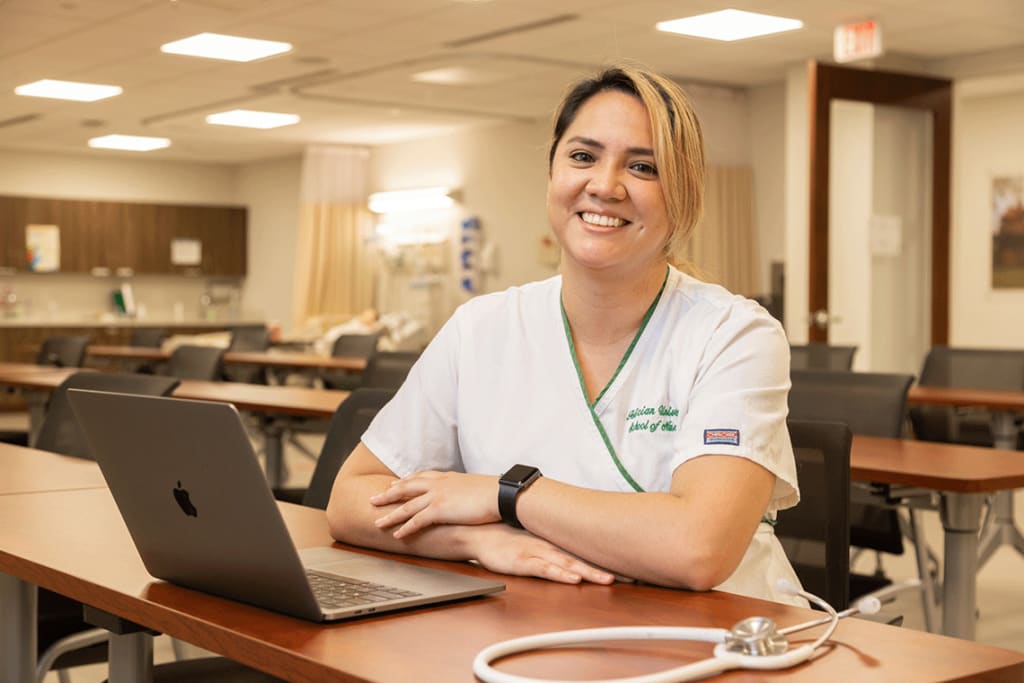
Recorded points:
(724, 246)
(334, 262)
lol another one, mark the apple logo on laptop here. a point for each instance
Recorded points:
(181, 497)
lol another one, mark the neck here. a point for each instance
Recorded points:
(606, 308)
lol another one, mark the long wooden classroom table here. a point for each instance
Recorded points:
(274, 359)
(74, 542)
(1004, 408)
(275, 404)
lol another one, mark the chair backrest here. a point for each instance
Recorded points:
(60, 432)
(63, 351)
(150, 337)
(355, 345)
(346, 428)
(247, 338)
(388, 369)
(821, 357)
(997, 369)
(816, 533)
(196, 362)
(870, 404)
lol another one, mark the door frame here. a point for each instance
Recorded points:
(828, 82)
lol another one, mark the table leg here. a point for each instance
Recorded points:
(273, 450)
(960, 513)
(131, 658)
(18, 634)
(1003, 529)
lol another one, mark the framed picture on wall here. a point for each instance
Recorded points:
(1007, 231)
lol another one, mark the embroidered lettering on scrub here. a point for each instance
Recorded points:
(636, 424)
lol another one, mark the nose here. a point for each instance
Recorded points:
(605, 183)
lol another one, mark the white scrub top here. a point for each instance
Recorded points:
(499, 385)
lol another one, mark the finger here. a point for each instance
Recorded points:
(402, 513)
(585, 571)
(417, 522)
(399, 490)
(551, 571)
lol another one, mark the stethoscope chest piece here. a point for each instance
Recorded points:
(757, 636)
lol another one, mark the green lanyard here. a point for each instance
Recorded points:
(625, 357)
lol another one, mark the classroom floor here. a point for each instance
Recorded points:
(1000, 589)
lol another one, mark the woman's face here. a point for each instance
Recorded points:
(605, 202)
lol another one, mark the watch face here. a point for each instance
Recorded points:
(519, 475)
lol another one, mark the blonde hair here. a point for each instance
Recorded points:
(678, 141)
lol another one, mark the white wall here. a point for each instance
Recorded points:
(987, 142)
(767, 126)
(797, 169)
(271, 191)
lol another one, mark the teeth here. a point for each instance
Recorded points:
(598, 219)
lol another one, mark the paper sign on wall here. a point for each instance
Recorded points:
(186, 252)
(42, 246)
(886, 235)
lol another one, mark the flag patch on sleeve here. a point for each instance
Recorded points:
(730, 437)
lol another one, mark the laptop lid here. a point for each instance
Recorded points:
(201, 514)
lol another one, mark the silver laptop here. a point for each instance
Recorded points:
(197, 505)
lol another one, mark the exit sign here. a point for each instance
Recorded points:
(862, 40)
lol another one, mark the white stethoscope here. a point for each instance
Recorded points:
(754, 643)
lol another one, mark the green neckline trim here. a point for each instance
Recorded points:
(622, 363)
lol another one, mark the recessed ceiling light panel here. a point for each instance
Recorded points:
(729, 24)
(230, 48)
(246, 118)
(68, 90)
(131, 143)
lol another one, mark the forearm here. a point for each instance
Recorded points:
(351, 519)
(645, 536)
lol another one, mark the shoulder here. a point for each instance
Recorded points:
(713, 307)
(521, 301)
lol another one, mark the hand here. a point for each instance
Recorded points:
(505, 550)
(429, 498)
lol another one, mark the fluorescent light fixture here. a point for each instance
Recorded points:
(68, 90)
(247, 118)
(411, 200)
(132, 143)
(729, 24)
(220, 46)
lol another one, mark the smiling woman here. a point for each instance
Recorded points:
(654, 404)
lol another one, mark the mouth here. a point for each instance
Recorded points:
(601, 220)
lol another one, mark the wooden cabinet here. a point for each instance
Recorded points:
(122, 238)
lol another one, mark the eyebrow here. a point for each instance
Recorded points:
(591, 142)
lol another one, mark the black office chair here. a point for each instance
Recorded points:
(60, 617)
(816, 533)
(388, 369)
(247, 338)
(344, 431)
(996, 369)
(870, 404)
(62, 351)
(196, 362)
(148, 337)
(821, 357)
(349, 346)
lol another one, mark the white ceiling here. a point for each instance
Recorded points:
(348, 75)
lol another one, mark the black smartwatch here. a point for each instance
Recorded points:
(511, 484)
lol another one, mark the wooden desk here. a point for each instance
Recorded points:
(1005, 407)
(89, 557)
(962, 475)
(274, 359)
(276, 405)
(25, 470)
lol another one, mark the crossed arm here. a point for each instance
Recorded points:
(693, 536)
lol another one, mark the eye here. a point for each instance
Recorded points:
(581, 156)
(644, 168)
